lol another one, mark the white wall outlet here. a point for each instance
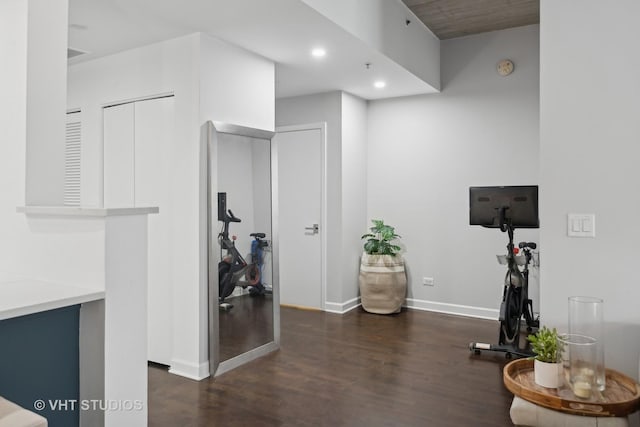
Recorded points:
(428, 281)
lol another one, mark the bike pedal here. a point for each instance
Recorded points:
(226, 306)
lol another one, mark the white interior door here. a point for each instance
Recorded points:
(154, 134)
(300, 177)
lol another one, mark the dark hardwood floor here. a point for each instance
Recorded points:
(359, 369)
(249, 324)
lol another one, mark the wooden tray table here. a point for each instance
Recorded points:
(620, 398)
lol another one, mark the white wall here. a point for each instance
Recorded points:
(425, 152)
(262, 218)
(261, 171)
(354, 190)
(37, 248)
(324, 107)
(235, 177)
(382, 25)
(46, 100)
(211, 81)
(236, 86)
(589, 111)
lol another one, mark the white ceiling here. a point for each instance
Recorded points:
(284, 31)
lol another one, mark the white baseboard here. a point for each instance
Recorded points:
(189, 370)
(341, 308)
(457, 309)
(416, 304)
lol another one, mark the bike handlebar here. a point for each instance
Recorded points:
(530, 245)
(232, 218)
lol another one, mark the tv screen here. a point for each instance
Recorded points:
(498, 207)
(222, 206)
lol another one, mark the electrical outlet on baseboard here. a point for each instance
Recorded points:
(428, 281)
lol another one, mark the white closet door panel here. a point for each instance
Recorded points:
(119, 156)
(154, 135)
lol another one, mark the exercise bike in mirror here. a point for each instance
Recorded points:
(242, 260)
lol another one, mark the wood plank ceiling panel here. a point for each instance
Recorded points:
(456, 18)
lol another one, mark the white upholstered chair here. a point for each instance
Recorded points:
(12, 415)
(525, 413)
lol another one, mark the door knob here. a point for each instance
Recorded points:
(313, 229)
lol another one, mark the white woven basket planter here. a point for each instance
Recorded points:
(383, 283)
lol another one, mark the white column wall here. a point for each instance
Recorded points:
(424, 153)
(589, 110)
(354, 193)
(13, 125)
(125, 311)
(47, 31)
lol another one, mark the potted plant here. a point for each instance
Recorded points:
(382, 281)
(547, 368)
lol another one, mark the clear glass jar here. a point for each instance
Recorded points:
(586, 317)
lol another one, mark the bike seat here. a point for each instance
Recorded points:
(258, 235)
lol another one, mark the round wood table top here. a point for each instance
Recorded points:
(620, 398)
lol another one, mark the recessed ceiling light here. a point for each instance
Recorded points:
(318, 52)
(379, 84)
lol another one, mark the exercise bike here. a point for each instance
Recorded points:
(515, 303)
(232, 266)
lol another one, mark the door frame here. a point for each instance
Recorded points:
(322, 127)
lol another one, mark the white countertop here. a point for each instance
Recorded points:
(82, 211)
(22, 297)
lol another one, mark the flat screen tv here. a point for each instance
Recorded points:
(222, 206)
(501, 207)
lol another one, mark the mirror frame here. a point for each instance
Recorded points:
(211, 132)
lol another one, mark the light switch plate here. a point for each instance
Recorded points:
(581, 225)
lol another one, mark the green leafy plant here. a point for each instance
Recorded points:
(544, 344)
(379, 240)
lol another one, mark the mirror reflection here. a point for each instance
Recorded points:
(244, 239)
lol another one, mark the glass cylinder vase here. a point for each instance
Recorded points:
(586, 317)
(577, 354)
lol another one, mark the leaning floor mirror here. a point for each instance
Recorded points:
(244, 316)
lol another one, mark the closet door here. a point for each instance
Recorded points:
(154, 133)
(119, 156)
(137, 141)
